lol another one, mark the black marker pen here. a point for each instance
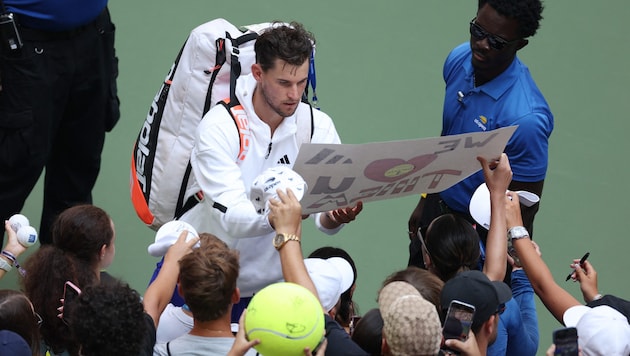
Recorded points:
(582, 260)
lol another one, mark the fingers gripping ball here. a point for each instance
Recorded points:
(27, 236)
(286, 318)
(265, 185)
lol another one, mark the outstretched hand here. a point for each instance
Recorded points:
(335, 218)
(285, 214)
(13, 245)
(498, 173)
(241, 344)
(587, 276)
(180, 248)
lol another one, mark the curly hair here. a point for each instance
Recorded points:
(108, 319)
(78, 234)
(292, 44)
(453, 245)
(17, 315)
(528, 13)
(207, 278)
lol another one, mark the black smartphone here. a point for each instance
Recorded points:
(566, 341)
(70, 294)
(459, 319)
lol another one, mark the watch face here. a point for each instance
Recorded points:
(278, 239)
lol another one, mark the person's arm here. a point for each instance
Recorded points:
(556, 299)
(498, 176)
(286, 217)
(159, 293)
(333, 220)
(213, 161)
(13, 247)
(528, 213)
(587, 277)
(466, 348)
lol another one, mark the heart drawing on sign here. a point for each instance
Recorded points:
(393, 169)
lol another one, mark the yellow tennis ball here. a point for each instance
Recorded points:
(286, 318)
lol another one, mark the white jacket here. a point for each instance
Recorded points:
(226, 210)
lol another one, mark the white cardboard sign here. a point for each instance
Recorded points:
(339, 175)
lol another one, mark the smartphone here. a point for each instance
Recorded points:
(70, 294)
(459, 319)
(566, 341)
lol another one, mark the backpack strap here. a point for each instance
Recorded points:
(218, 63)
(168, 348)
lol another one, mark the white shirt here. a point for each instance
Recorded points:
(226, 184)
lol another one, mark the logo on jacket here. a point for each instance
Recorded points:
(284, 160)
(481, 121)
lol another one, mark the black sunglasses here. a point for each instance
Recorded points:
(495, 41)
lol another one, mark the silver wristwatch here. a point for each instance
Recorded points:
(517, 232)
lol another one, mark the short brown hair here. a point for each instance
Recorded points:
(207, 277)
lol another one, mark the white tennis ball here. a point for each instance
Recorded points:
(17, 221)
(27, 236)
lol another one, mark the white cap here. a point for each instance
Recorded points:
(265, 185)
(331, 276)
(480, 204)
(168, 234)
(602, 330)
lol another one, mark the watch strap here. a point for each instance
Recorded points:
(5, 265)
(517, 232)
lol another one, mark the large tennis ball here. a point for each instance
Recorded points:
(286, 318)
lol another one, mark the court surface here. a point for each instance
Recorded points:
(379, 66)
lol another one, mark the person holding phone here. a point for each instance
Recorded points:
(473, 289)
(602, 330)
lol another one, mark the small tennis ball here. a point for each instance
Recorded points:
(17, 221)
(286, 318)
(27, 236)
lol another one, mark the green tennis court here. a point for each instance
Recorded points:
(379, 75)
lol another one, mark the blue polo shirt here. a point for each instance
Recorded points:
(55, 15)
(510, 99)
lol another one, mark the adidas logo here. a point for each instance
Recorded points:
(284, 160)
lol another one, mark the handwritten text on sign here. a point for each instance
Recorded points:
(340, 175)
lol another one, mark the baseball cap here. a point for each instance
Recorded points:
(601, 330)
(12, 344)
(474, 287)
(168, 234)
(479, 207)
(265, 185)
(331, 276)
(411, 324)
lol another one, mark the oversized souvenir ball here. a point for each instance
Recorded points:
(286, 318)
(265, 185)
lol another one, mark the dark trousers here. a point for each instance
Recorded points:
(58, 99)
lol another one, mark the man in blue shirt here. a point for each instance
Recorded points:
(488, 87)
(58, 98)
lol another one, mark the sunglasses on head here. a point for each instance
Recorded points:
(494, 41)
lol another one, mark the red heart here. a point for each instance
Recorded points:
(393, 169)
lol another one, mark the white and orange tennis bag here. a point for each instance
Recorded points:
(215, 54)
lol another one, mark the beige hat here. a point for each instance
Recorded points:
(411, 324)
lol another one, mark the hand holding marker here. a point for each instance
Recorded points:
(582, 260)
